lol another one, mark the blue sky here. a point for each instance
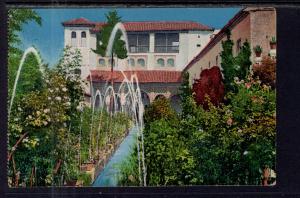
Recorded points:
(49, 37)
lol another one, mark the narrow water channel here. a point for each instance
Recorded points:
(109, 176)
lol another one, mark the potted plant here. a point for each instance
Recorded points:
(71, 177)
(258, 50)
(273, 43)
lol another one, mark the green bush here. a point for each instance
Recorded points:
(159, 109)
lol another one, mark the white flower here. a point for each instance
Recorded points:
(50, 90)
(46, 110)
(64, 89)
(49, 98)
(68, 103)
(30, 117)
(58, 98)
(16, 119)
(240, 130)
(245, 153)
(45, 123)
(56, 89)
(47, 81)
(38, 112)
(19, 108)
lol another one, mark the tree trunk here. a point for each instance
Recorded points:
(32, 175)
(15, 146)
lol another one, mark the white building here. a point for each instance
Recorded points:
(154, 46)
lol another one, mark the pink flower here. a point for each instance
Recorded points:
(248, 85)
(229, 121)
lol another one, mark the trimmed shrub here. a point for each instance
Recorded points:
(266, 72)
(209, 85)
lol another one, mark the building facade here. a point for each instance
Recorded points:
(158, 52)
(255, 25)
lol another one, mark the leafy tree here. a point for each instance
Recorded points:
(164, 145)
(234, 66)
(159, 109)
(69, 67)
(227, 62)
(266, 72)
(119, 47)
(185, 93)
(16, 19)
(209, 85)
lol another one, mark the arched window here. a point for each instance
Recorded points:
(131, 62)
(113, 62)
(141, 62)
(170, 62)
(83, 39)
(161, 62)
(73, 39)
(102, 62)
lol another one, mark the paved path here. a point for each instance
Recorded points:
(109, 175)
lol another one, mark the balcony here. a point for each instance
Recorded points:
(139, 49)
(166, 49)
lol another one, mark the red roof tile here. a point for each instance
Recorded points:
(80, 22)
(143, 26)
(148, 76)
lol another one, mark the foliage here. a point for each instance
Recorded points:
(234, 66)
(69, 63)
(243, 61)
(118, 48)
(266, 71)
(164, 145)
(232, 144)
(128, 175)
(85, 178)
(30, 78)
(16, 19)
(185, 92)
(209, 85)
(257, 49)
(273, 40)
(159, 109)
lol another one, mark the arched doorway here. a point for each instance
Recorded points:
(145, 99)
(159, 96)
(175, 103)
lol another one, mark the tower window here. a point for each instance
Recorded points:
(83, 39)
(73, 39)
(102, 62)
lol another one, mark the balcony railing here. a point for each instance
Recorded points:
(139, 49)
(166, 49)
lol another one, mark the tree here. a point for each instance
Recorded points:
(186, 93)
(16, 18)
(119, 47)
(234, 66)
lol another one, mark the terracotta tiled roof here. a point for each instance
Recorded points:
(79, 22)
(148, 76)
(143, 25)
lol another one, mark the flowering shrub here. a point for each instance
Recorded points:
(266, 72)
(159, 109)
(209, 85)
